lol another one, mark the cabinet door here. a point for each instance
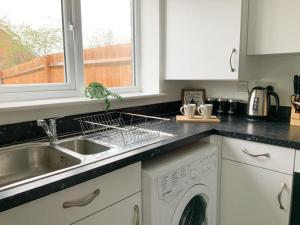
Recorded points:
(126, 212)
(274, 27)
(252, 195)
(50, 209)
(200, 38)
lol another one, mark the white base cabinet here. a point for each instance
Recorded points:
(256, 183)
(252, 195)
(111, 197)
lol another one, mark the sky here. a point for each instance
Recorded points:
(97, 15)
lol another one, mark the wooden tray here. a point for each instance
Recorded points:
(197, 119)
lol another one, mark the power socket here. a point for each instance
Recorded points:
(265, 83)
(262, 83)
(242, 86)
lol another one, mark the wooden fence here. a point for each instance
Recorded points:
(110, 65)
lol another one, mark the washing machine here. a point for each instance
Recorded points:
(181, 187)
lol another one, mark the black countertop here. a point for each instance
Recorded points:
(275, 133)
(268, 132)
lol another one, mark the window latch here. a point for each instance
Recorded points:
(72, 29)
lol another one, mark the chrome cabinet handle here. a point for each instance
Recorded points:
(254, 155)
(230, 60)
(279, 196)
(136, 210)
(83, 201)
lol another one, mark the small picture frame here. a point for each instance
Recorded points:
(196, 96)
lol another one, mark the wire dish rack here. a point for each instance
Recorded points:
(123, 129)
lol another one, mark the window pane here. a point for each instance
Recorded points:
(107, 41)
(31, 42)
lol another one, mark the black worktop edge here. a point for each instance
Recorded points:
(50, 188)
(258, 139)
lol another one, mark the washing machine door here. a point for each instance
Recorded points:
(193, 208)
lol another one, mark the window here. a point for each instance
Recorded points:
(63, 45)
(107, 42)
(31, 44)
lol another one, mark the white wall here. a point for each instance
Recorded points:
(278, 69)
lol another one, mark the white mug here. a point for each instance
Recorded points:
(188, 110)
(205, 110)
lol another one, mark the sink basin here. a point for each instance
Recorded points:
(29, 162)
(84, 147)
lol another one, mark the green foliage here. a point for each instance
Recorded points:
(13, 51)
(96, 90)
(22, 43)
(40, 41)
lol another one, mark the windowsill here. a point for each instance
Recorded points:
(46, 103)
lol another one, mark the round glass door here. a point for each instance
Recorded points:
(193, 207)
(195, 212)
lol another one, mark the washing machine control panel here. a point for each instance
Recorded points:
(173, 182)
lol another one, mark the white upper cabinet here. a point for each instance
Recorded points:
(202, 39)
(274, 27)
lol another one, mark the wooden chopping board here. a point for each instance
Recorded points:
(197, 119)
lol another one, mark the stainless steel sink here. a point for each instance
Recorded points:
(23, 163)
(84, 147)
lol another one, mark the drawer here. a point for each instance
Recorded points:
(261, 155)
(113, 187)
(128, 212)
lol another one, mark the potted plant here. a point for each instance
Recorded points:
(96, 90)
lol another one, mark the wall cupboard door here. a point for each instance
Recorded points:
(252, 195)
(126, 212)
(274, 27)
(202, 39)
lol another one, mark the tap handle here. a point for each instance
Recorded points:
(53, 120)
(40, 122)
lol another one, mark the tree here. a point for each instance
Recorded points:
(40, 41)
(12, 51)
(105, 37)
(101, 38)
(22, 43)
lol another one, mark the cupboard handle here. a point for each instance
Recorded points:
(83, 201)
(279, 196)
(230, 60)
(136, 210)
(253, 155)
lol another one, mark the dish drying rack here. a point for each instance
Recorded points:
(122, 129)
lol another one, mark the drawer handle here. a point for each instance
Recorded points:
(136, 210)
(83, 201)
(230, 60)
(254, 155)
(279, 196)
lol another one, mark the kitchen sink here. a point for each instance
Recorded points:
(84, 147)
(20, 164)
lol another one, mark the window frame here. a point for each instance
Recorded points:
(74, 62)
